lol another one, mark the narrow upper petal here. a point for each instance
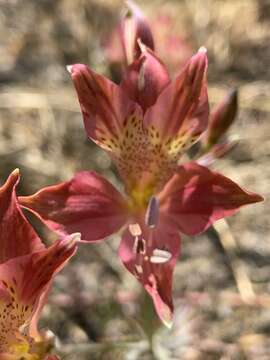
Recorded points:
(17, 237)
(181, 112)
(87, 203)
(24, 279)
(150, 254)
(105, 107)
(145, 78)
(196, 197)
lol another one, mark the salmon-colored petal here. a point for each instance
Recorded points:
(25, 278)
(180, 113)
(17, 237)
(196, 197)
(105, 107)
(34, 332)
(145, 78)
(150, 254)
(87, 203)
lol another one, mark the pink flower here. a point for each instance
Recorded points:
(26, 272)
(145, 124)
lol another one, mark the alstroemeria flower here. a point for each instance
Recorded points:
(26, 272)
(145, 124)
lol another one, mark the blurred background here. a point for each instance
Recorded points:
(222, 281)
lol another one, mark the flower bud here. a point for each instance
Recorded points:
(221, 119)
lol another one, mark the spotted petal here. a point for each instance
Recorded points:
(23, 279)
(150, 254)
(105, 107)
(87, 203)
(17, 237)
(196, 197)
(181, 112)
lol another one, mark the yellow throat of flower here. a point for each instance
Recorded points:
(20, 351)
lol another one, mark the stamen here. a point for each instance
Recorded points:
(139, 269)
(160, 256)
(135, 245)
(139, 246)
(135, 229)
(152, 213)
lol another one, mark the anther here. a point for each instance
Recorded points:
(160, 256)
(135, 229)
(152, 213)
(139, 269)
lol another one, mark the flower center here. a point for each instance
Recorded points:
(139, 198)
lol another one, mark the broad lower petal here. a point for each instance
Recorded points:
(150, 254)
(196, 197)
(87, 203)
(17, 237)
(105, 107)
(145, 78)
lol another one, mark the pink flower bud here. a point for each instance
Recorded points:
(221, 118)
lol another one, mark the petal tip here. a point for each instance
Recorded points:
(15, 175)
(258, 198)
(202, 49)
(168, 322)
(69, 68)
(166, 315)
(16, 172)
(74, 238)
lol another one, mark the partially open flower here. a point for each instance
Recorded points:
(26, 272)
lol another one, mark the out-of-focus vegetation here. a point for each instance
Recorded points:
(95, 306)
